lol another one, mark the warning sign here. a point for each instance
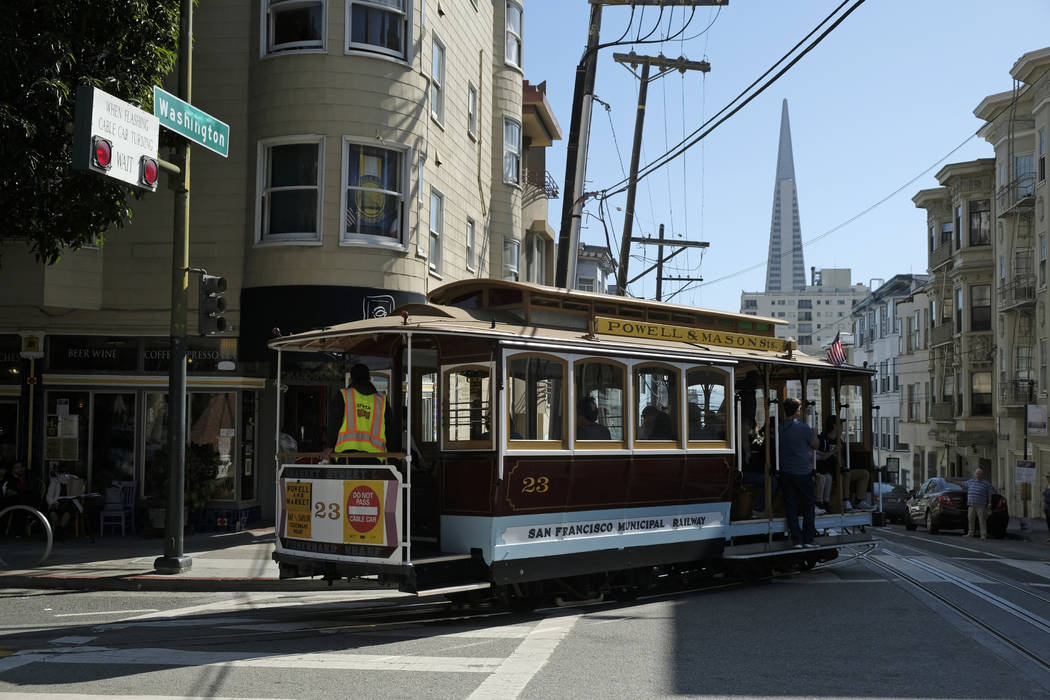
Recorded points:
(364, 512)
(297, 500)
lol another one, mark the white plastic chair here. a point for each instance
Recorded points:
(118, 511)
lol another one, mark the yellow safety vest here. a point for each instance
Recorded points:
(363, 430)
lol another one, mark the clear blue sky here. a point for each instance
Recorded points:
(883, 98)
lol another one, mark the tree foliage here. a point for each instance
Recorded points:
(123, 47)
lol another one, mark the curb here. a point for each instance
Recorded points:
(161, 582)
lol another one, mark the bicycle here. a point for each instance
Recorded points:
(21, 541)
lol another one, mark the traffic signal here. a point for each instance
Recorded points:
(148, 172)
(211, 304)
(101, 153)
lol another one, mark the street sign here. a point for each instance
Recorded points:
(186, 120)
(115, 139)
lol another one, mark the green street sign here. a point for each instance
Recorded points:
(185, 119)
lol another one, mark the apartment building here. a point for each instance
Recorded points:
(1016, 123)
(377, 150)
(962, 350)
(878, 334)
(913, 365)
(814, 314)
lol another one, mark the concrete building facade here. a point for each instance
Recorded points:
(878, 336)
(377, 150)
(915, 398)
(1016, 125)
(814, 314)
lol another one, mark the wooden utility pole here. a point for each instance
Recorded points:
(579, 136)
(576, 156)
(667, 65)
(659, 265)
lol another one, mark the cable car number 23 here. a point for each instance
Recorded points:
(535, 484)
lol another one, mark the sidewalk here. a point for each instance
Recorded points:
(227, 561)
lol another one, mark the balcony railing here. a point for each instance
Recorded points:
(1017, 196)
(941, 334)
(1019, 292)
(1017, 392)
(942, 410)
(543, 181)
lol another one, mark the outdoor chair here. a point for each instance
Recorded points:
(119, 508)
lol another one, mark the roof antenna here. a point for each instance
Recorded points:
(404, 318)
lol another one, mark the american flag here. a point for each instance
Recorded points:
(836, 355)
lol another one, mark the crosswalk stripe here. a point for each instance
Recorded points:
(525, 662)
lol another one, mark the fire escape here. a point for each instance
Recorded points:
(1016, 293)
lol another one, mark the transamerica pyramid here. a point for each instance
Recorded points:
(785, 268)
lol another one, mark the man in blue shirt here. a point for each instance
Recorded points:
(978, 496)
(796, 440)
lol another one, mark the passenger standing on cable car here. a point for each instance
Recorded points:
(796, 440)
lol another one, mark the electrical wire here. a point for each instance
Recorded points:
(707, 127)
(889, 196)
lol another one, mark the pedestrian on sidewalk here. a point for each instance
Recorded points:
(978, 496)
(1046, 503)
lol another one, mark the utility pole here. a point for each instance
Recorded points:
(659, 266)
(174, 561)
(576, 156)
(579, 138)
(667, 64)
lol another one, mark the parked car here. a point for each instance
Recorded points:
(894, 499)
(940, 504)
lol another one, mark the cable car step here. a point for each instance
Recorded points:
(461, 588)
(438, 558)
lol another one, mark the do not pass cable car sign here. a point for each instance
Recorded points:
(115, 139)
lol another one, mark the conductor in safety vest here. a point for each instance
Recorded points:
(364, 415)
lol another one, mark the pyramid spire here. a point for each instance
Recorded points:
(785, 161)
(785, 267)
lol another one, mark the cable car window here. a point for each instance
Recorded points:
(536, 398)
(600, 400)
(468, 402)
(656, 403)
(706, 389)
(428, 431)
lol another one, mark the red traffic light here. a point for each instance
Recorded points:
(101, 152)
(148, 171)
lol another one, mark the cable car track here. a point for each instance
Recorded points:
(993, 578)
(1002, 637)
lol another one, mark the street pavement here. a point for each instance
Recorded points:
(236, 561)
